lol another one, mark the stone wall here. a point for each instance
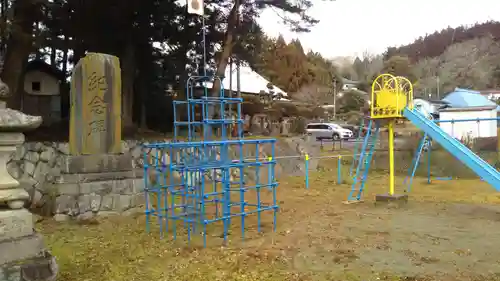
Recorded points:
(45, 170)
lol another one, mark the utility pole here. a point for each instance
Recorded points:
(334, 97)
(437, 82)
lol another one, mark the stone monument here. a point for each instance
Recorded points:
(96, 163)
(95, 122)
(22, 252)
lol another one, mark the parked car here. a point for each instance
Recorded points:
(328, 131)
(357, 131)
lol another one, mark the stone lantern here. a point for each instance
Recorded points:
(22, 252)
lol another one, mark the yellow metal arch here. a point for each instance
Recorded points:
(406, 89)
(390, 95)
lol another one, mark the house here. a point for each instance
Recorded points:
(251, 83)
(469, 129)
(41, 94)
(466, 104)
(349, 84)
(467, 98)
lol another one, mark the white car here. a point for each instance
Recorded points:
(328, 131)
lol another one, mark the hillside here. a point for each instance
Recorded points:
(433, 45)
(466, 57)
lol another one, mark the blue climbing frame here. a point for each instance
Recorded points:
(203, 180)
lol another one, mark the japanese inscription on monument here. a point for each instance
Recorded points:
(97, 105)
(95, 124)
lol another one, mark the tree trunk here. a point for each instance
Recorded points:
(4, 8)
(128, 76)
(227, 47)
(78, 51)
(142, 85)
(19, 46)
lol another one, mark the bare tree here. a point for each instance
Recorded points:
(314, 95)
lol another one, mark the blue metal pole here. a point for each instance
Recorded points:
(360, 162)
(467, 120)
(429, 147)
(414, 160)
(226, 205)
(175, 121)
(367, 160)
(417, 160)
(146, 190)
(357, 147)
(171, 188)
(188, 197)
(164, 187)
(158, 190)
(307, 170)
(217, 199)
(339, 170)
(274, 186)
(257, 183)
(242, 193)
(189, 120)
(202, 207)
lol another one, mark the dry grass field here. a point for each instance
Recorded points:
(448, 231)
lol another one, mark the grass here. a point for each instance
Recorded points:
(118, 248)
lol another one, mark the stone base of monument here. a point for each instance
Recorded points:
(99, 163)
(41, 267)
(104, 184)
(22, 251)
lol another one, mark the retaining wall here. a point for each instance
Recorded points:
(68, 187)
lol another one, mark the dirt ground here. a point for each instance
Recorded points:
(448, 231)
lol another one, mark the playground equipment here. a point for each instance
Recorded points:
(392, 99)
(390, 96)
(425, 145)
(201, 180)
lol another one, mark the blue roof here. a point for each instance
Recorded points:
(467, 98)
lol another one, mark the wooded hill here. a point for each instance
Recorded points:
(467, 57)
(435, 44)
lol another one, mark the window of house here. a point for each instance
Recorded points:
(36, 86)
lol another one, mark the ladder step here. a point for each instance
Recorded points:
(362, 162)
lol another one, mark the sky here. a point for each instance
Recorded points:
(351, 27)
